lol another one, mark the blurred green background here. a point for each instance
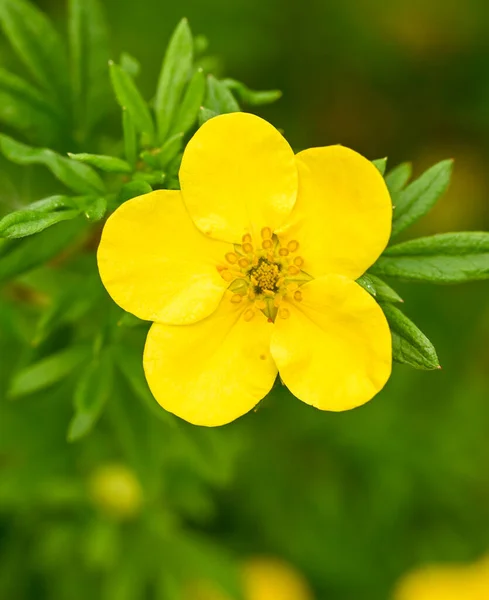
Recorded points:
(353, 500)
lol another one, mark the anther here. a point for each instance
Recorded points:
(251, 294)
(267, 244)
(298, 261)
(231, 258)
(236, 298)
(293, 270)
(266, 233)
(284, 313)
(277, 301)
(247, 247)
(298, 295)
(292, 286)
(269, 293)
(243, 262)
(261, 304)
(283, 251)
(249, 314)
(227, 275)
(293, 245)
(247, 239)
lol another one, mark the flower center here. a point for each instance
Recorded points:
(264, 276)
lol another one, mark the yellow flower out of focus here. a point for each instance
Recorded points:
(115, 491)
(263, 579)
(455, 582)
(250, 271)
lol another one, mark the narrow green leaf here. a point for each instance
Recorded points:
(128, 97)
(218, 98)
(174, 75)
(109, 164)
(20, 256)
(26, 109)
(251, 97)
(154, 178)
(397, 178)
(47, 371)
(80, 178)
(381, 164)
(409, 344)
(89, 46)
(130, 64)
(91, 394)
(133, 189)
(188, 110)
(442, 258)
(37, 44)
(130, 138)
(420, 196)
(96, 210)
(170, 149)
(205, 114)
(27, 222)
(378, 288)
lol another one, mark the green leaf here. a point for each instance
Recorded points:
(80, 178)
(109, 164)
(205, 114)
(96, 210)
(381, 164)
(37, 44)
(133, 189)
(26, 109)
(128, 97)
(91, 394)
(174, 75)
(397, 178)
(130, 64)
(188, 111)
(409, 344)
(130, 138)
(47, 371)
(218, 98)
(378, 288)
(170, 149)
(442, 258)
(420, 196)
(251, 97)
(20, 256)
(366, 282)
(89, 45)
(27, 222)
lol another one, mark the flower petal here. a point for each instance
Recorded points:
(214, 371)
(238, 175)
(156, 264)
(334, 350)
(343, 215)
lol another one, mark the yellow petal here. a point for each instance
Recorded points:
(213, 371)
(334, 350)
(156, 264)
(343, 215)
(238, 175)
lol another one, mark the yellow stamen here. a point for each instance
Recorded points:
(277, 301)
(243, 262)
(293, 245)
(283, 251)
(298, 295)
(251, 294)
(249, 314)
(266, 233)
(236, 298)
(292, 286)
(284, 313)
(231, 257)
(293, 270)
(227, 275)
(247, 239)
(298, 261)
(266, 244)
(248, 248)
(261, 304)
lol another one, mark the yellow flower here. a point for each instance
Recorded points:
(250, 270)
(115, 490)
(454, 582)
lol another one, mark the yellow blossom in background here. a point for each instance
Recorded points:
(263, 578)
(250, 271)
(454, 582)
(115, 490)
